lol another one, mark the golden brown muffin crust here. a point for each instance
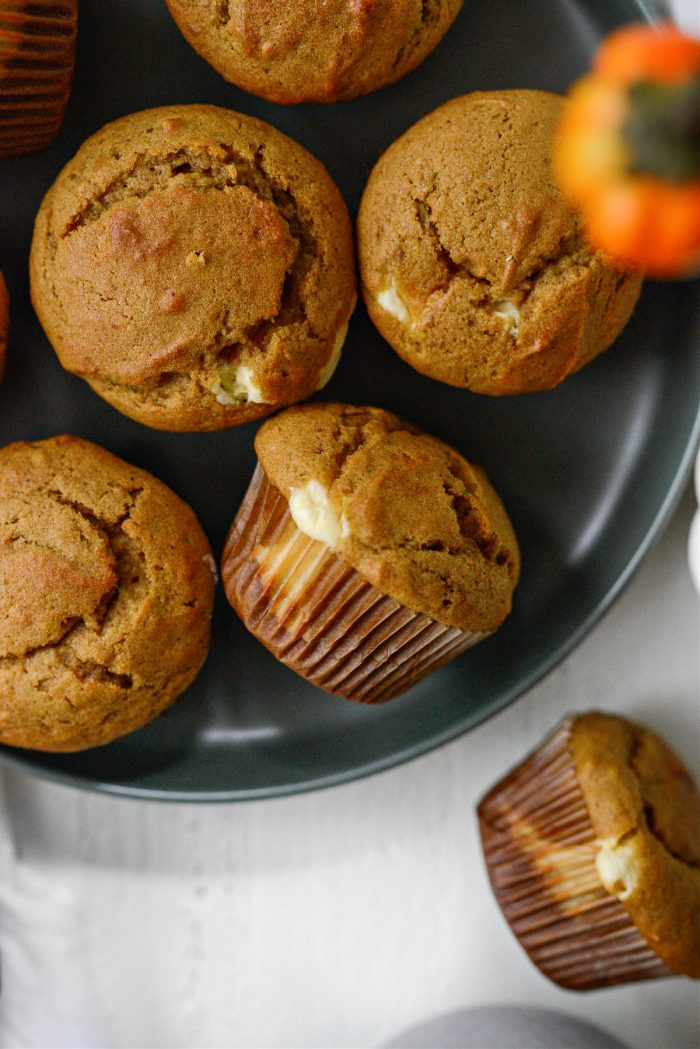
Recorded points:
(425, 527)
(341, 49)
(107, 588)
(645, 809)
(184, 243)
(490, 283)
(4, 322)
(37, 55)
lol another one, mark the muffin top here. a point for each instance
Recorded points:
(107, 584)
(287, 54)
(195, 266)
(473, 263)
(4, 322)
(645, 810)
(403, 508)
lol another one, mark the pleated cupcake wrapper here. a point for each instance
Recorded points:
(318, 615)
(37, 52)
(540, 850)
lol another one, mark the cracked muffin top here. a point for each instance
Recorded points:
(645, 810)
(106, 591)
(195, 266)
(402, 508)
(4, 322)
(473, 264)
(286, 54)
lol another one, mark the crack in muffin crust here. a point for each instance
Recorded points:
(214, 174)
(421, 524)
(108, 591)
(474, 267)
(344, 49)
(223, 247)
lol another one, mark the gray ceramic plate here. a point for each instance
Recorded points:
(589, 471)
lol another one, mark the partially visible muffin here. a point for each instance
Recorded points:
(366, 553)
(593, 849)
(196, 267)
(474, 266)
(287, 53)
(107, 585)
(4, 322)
(37, 55)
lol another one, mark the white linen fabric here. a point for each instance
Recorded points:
(45, 997)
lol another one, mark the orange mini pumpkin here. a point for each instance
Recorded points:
(628, 149)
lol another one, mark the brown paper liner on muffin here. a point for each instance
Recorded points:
(318, 615)
(37, 54)
(540, 850)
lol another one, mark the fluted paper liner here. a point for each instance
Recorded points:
(37, 53)
(318, 615)
(540, 849)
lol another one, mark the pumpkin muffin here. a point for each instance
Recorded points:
(474, 266)
(286, 54)
(4, 322)
(37, 55)
(196, 267)
(593, 849)
(366, 553)
(107, 582)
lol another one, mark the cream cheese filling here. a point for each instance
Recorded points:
(315, 516)
(508, 313)
(617, 868)
(236, 384)
(391, 301)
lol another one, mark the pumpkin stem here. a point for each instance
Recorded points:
(662, 129)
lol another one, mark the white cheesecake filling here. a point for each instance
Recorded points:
(507, 312)
(315, 516)
(617, 868)
(390, 301)
(237, 385)
(326, 373)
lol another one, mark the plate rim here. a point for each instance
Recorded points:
(517, 691)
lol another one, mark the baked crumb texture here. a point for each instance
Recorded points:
(37, 55)
(107, 591)
(474, 267)
(424, 526)
(195, 266)
(593, 850)
(366, 554)
(286, 53)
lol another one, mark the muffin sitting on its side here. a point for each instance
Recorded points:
(593, 849)
(106, 592)
(37, 55)
(366, 553)
(473, 264)
(287, 52)
(196, 267)
(4, 322)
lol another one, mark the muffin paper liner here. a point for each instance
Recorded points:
(318, 615)
(37, 52)
(540, 850)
